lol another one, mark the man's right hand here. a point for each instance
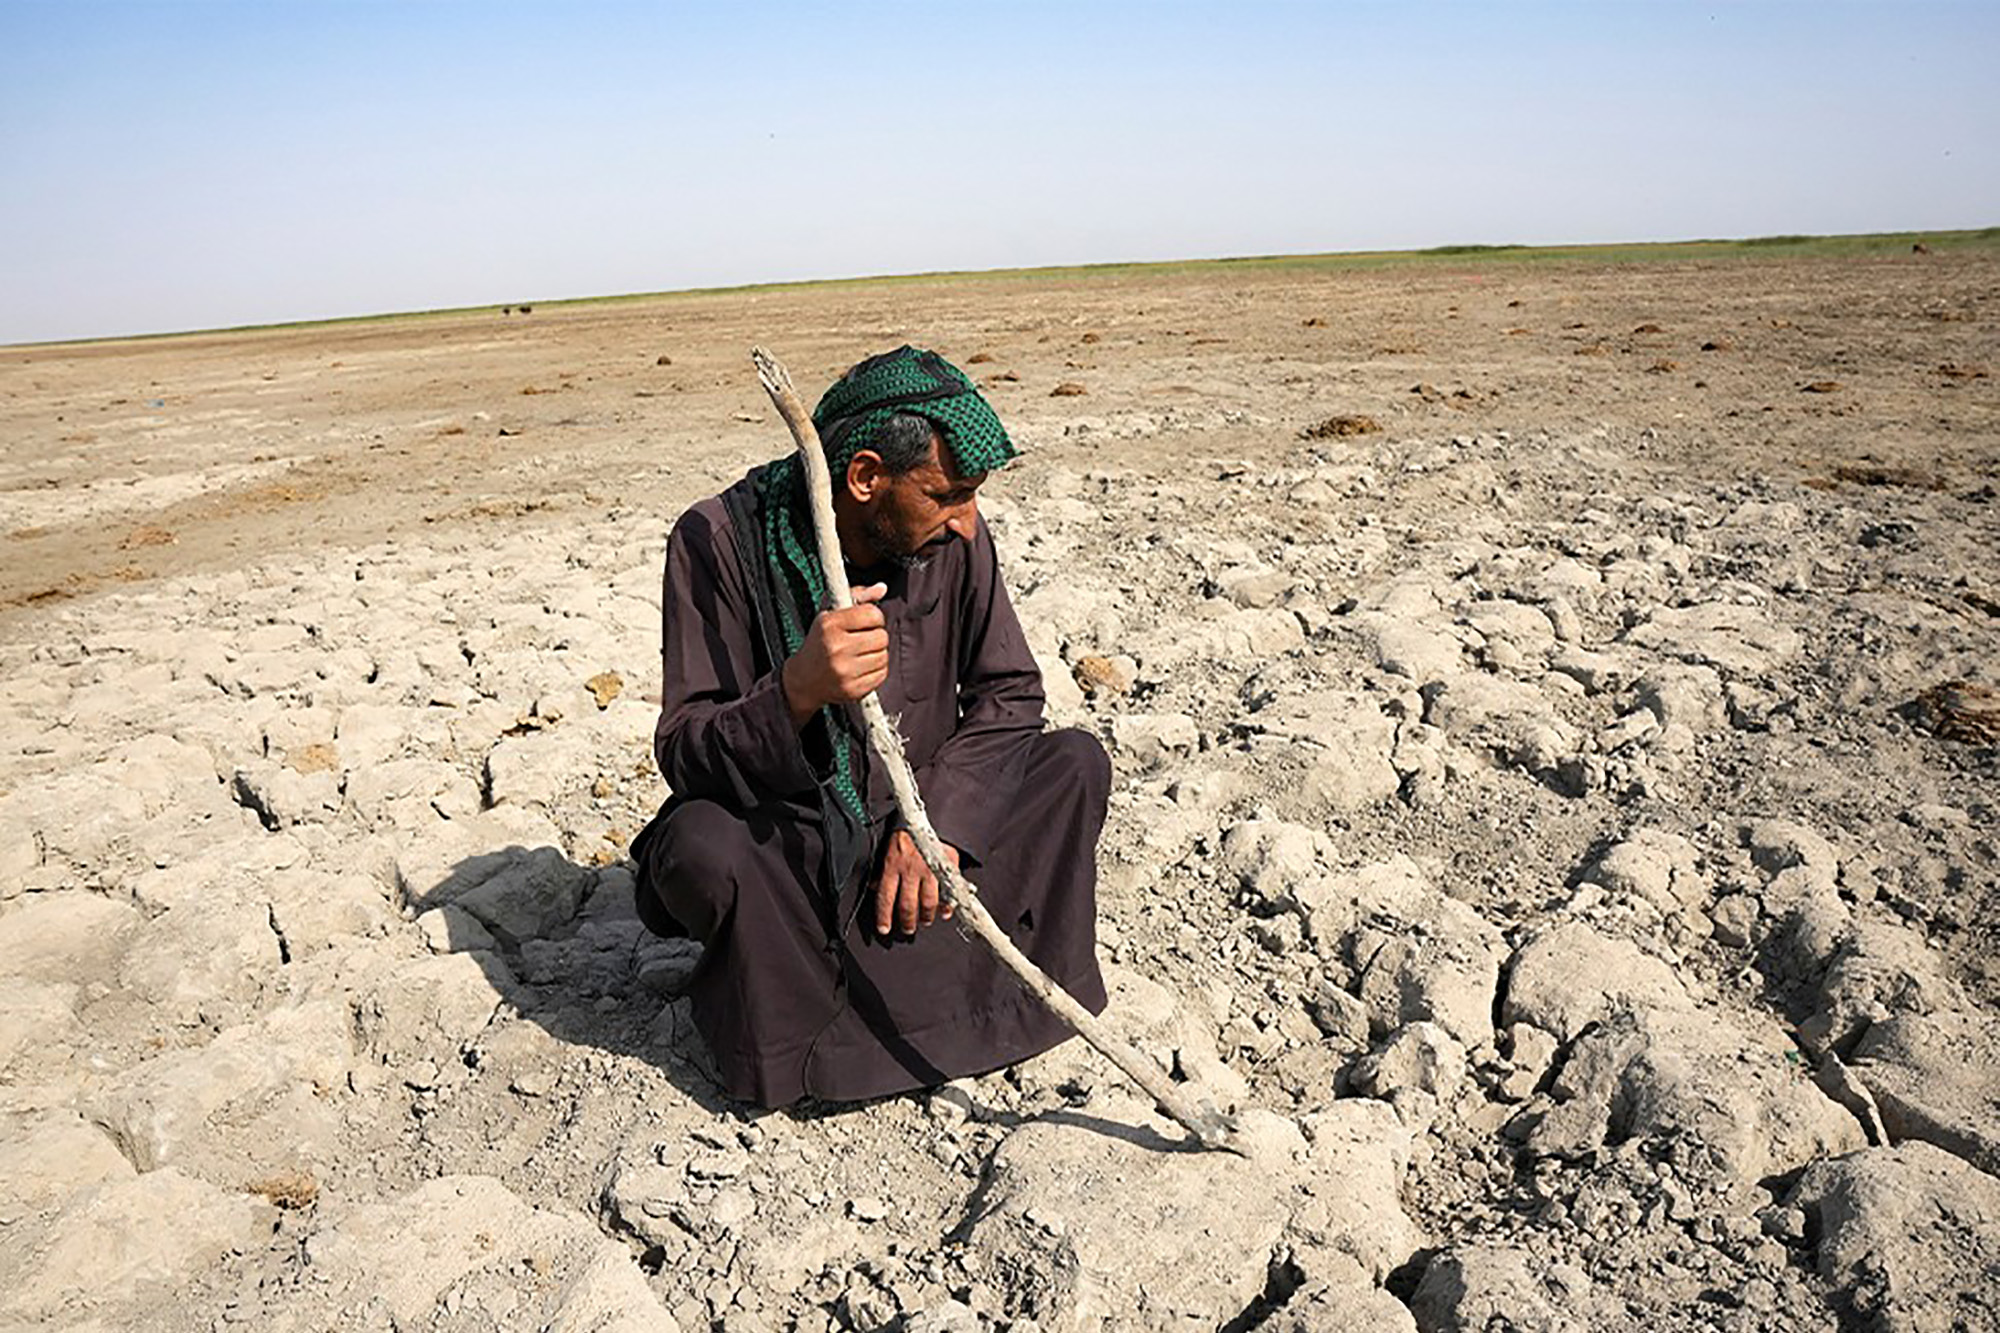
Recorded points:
(844, 656)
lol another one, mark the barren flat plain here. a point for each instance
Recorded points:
(1553, 708)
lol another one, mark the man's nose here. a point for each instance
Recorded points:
(966, 521)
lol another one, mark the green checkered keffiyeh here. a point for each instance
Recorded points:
(913, 383)
(906, 381)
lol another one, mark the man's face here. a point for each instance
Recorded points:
(927, 506)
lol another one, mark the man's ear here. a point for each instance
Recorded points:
(865, 475)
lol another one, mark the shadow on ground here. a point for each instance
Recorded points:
(562, 943)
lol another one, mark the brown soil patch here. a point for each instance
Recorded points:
(291, 1191)
(147, 535)
(318, 757)
(1874, 474)
(604, 687)
(1959, 711)
(1340, 427)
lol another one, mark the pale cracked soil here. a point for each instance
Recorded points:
(1539, 811)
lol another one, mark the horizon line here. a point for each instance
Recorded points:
(1503, 251)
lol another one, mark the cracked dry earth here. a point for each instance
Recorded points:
(1558, 809)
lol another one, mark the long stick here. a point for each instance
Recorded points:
(1210, 1129)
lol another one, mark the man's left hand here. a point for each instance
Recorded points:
(906, 897)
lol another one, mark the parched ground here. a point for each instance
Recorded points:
(1555, 722)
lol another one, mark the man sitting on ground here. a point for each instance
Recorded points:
(780, 849)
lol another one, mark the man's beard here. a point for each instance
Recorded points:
(890, 543)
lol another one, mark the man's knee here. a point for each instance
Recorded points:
(692, 864)
(1077, 757)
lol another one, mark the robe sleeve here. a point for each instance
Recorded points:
(725, 733)
(974, 778)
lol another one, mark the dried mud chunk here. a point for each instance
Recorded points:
(1936, 1077)
(1894, 532)
(315, 757)
(1106, 675)
(1911, 1234)
(252, 1103)
(1729, 1100)
(128, 1240)
(147, 535)
(604, 687)
(290, 1190)
(1068, 389)
(1416, 954)
(1094, 1226)
(50, 1160)
(1492, 1285)
(1742, 639)
(1567, 977)
(392, 1263)
(65, 937)
(1875, 474)
(1340, 427)
(1335, 1305)
(1958, 711)
(1660, 867)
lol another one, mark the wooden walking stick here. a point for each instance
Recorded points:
(1210, 1128)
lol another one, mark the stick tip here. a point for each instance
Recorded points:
(1219, 1130)
(770, 371)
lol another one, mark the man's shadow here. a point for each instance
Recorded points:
(562, 943)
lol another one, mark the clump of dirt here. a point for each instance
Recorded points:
(316, 757)
(1340, 427)
(1877, 474)
(147, 534)
(1959, 711)
(1097, 675)
(604, 687)
(291, 1190)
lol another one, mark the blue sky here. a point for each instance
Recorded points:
(174, 165)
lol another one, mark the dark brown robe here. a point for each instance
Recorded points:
(795, 992)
